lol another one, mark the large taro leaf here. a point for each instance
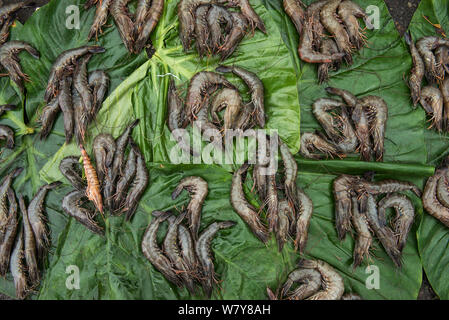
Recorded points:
(433, 236)
(378, 69)
(114, 267)
(46, 31)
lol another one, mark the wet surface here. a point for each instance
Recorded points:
(402, 12)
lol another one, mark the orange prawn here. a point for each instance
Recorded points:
(93, 186)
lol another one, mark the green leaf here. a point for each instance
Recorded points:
(113, 267)
(433, 236)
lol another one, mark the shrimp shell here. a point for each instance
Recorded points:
(198, 189)
(124, 181)
(248, 11)
(101, 17)
(310, 283)
(173, 252)
(332, 282)
(425, 45)
(139, 185)
(37, 219)
(303, 220)
(388, 186)
(294, 9)
(70, 168)
(231, 100)
(7, 107)
(48, 117)
(308, 54)
(201, 85)
(328, 47)
(9, 233)
(30, 245)
(330, 22)
(431, 100)
(81, 84)
(349, 11)
(99, 84)
(81, 117)
(10, 61)
(202, 30)
(377, 111)
(238, 32)
(152, 251)
(246, 211)
(430, 200)
(290, 175)
(444, 88)
(417, 71)
(443, 188)
(255, 86)
(188, 248)
(63, 63)
(312, 141)
(17, 267)
(283, 223)
(364, 238)
(272, 202)
(123, 20)
(362, 127)
(104, 150)
(343, 186)
(66, 105)
(152, 18)
(383, 232)
(202, 249)
(405, 214)
(186, 17)
(140, 15)
(71, 206)
(176, 117)
(7, 133)
(4, 187)
(216, 17)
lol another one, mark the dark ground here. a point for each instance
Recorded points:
(25, 13)
(401, 12)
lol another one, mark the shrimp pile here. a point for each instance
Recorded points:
(114, 182)
(216, 29)
(23, 246)
(134, 28)
(208, 94)
(430, 57)
(288, 213)
(9, 60)
(313, 280)
(436, 194)
(74, 91)
(185, 257)
(329, 32)
(354, 125)
(356, 206)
